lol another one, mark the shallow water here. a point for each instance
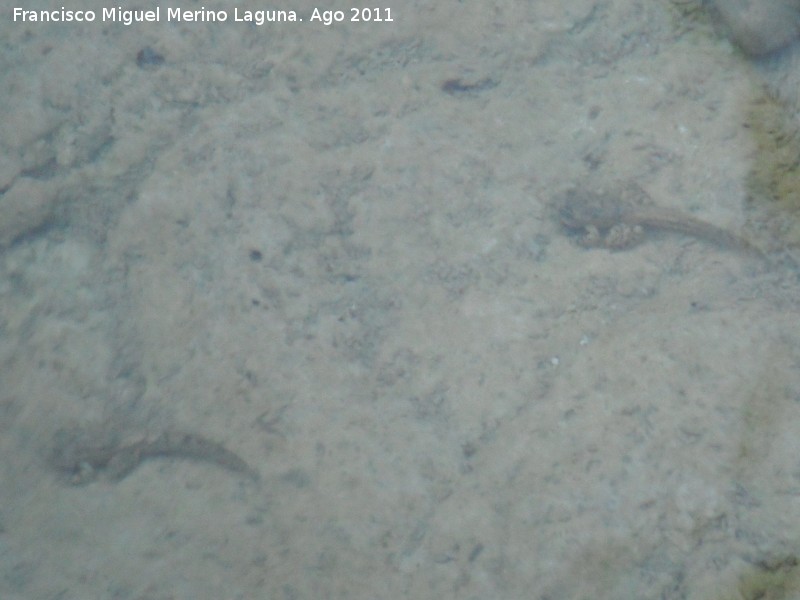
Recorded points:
(329, 250)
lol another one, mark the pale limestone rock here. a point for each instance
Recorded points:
(27, 205)
(760, 27)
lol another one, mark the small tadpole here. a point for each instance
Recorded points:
(458, 86)
(147, 57)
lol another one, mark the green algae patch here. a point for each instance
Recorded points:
(773, 183)
(771, 580)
